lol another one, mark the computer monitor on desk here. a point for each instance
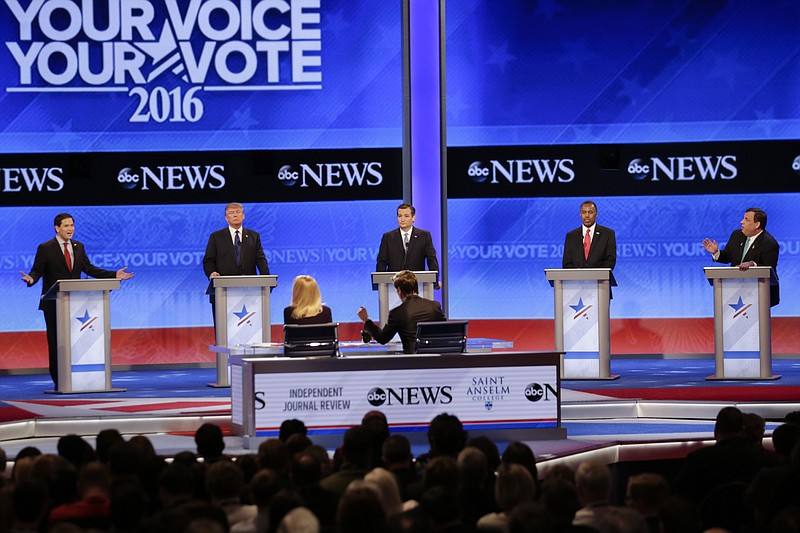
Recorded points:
(312, 340)
(442, 337)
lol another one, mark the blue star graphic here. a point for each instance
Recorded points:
(241, 314)
(85, 318)
(578, 307)
(738, 305)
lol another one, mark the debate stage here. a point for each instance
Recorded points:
(658, 409)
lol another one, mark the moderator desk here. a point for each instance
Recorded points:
(510, 395)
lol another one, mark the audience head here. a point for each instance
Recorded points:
(679, 515)
(513, 487)
(209, 441)
(175, 483)
(296, 444)
(472, 467)
(360, 509)
(406, 284)
(729, 423)
(785, 438)
(446, 435)
(442, 506)
(613, 519)
(793, 417)
(306, 298)
(290, 427)
(29, 504)
(299, 520)
(224, 480)
(647, 493)
(561, 499)
(531, 517)
(754, 428)
(75, 449)
(441, 470)
(284, 501)
(378, 427)
(356, 446)
(593, 482)
(106, 438)
(272, 454)
(489, 449)
(264, 485)
(521, 454)
(306, 470)
(396, 452)
(388, 489)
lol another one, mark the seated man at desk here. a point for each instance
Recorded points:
(403, 318)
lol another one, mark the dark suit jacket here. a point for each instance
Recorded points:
(392, 257)
(50, 264)
(602, 253)
(221, 258)
(403, 320)
(323, 318)
(764, 251)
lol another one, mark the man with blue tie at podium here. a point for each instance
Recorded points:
(235, 250)
(407, 247)
(749, 247)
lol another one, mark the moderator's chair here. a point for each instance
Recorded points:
(312, 340)
(442, 337)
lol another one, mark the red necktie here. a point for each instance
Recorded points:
(67, 257)
(587, 243)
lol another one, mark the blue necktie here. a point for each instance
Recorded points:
(744, 250)
(236, 248)
(746, 247)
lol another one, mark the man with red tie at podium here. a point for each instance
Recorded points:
(749, 247)
(62, 258)
(591, 245)
(407, 247)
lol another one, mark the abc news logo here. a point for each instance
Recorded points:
(32, 179)
(173, 177)
(410, 396)
(363, 174)
(535, 392)
(686, 168)
(522, 171)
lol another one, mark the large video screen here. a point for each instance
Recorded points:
(556, 72)
(169, 75)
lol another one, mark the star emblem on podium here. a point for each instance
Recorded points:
(244, 315)
(86, 320)
(740, 308)
(580, 309)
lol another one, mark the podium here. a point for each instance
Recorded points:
(383, 282)
(83, 329)
(241, 315)
(582, 325)
(742, 328)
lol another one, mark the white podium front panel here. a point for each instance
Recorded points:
(243, 308)
(740, 324)
(581, 333)
(87, 340)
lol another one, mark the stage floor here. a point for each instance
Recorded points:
(658, 408)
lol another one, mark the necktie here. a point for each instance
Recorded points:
(587, 243)
(67, 256)
(744, 251)
(237, 248)
(405, 242)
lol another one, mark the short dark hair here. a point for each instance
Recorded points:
(60, 217)
(591, 203)
(406, 282)
(759, 215)
(406, 205)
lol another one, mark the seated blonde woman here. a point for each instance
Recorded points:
(306, 305)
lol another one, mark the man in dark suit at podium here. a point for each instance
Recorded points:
(591, 245)
(751, 246)
(407, 247)
(403, 319)
(62, 258)
(235, 250)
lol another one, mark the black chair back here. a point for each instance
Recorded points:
(442, 337)
(311, 340)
